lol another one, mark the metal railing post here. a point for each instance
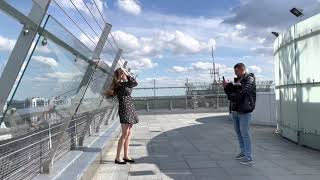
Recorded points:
(114, 115)
(218, 91)
(102, 115)
(87, 126)
(186, 107)
(73, 134)
(108, 115)
(147, 104)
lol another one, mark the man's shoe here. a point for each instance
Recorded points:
(240, 156)
(246, 161)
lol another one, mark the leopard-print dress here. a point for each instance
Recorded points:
(126, 110)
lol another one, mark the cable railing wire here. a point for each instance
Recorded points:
(92, 14)
(106, 22)
(35, 167)
(89, 23)
(74, 22)
(111, 46)
(114, 40)
(84, 18)
(99, 11)
(110, 32)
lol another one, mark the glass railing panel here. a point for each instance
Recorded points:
(65, 13)
(57, 29)
(48, 91)
(93, 94)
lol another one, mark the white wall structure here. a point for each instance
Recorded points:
(297, 77)
(265, 112)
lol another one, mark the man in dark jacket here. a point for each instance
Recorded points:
(242, 96)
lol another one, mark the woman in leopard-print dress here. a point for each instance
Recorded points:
(121, 87)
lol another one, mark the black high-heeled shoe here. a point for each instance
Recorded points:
(129, 160)
(119, 162)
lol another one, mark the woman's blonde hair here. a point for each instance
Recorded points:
(115, 84)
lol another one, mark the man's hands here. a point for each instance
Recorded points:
(224, 83)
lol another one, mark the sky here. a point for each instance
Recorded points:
(169, 41)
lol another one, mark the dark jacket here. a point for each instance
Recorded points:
(242, 97)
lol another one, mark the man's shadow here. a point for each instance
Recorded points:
(205, 138)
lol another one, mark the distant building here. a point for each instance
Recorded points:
(204, 88)
(37, 102)
(62, 100)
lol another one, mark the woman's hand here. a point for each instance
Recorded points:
(125, 71)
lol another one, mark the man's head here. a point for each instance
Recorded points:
(240, 69)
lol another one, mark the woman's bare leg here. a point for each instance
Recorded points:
(124, 134)
(126, 143)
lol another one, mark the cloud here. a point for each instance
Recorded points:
(6, 44)
(42, 79)
(255, 69)
(163, 81)
(63, 76)
(264, 51)
(227, 35)
(86, 41)
(262, 17)
(126, 41)
(141, 51)
(202, 67)
(46, 60)
(199, 66)
(179, 69)
(184, 43)
(130, 6)
(270, 14)
(142, 63)
(240, 27)
(178, 42)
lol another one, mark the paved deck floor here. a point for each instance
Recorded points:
(202, 146)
